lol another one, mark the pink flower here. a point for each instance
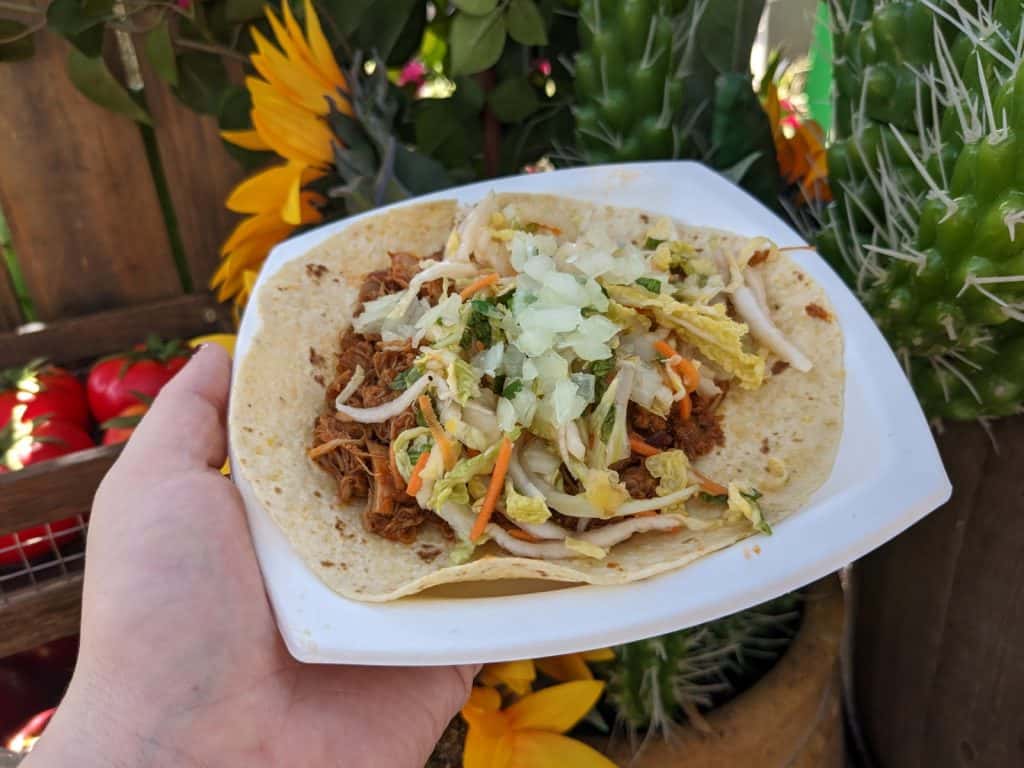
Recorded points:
(543, 66)
(183, 4)
(414, 73)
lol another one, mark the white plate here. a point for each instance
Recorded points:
(887, 476)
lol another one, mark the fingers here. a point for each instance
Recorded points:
(185, 427)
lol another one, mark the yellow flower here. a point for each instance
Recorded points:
(573, 666)
(518, 676)
(529, 733)
(290, 103)
(800, 151)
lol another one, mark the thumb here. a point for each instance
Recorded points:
(185, 427)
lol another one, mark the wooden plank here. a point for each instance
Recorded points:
(90, 336)
(200, 174)
(37, 615)
(77, 193)
(53, 490)
(940, 618)
(10, 310)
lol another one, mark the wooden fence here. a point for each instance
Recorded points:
(104, 261)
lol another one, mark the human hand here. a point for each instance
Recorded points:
(181, 662)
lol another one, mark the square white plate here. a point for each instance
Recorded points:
(887, 476)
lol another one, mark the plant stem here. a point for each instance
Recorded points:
(220, 50)
(23, 34)
(7, 5)
(492, 129)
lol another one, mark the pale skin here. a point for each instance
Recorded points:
(181, 663)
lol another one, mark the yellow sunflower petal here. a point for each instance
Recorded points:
(539, 749)
(267, 223)
(517, 675)
(565, 668)
(320, 48)
(265, 191)
(557, 708)
(293, 133)
(245, 139)
(599, 654)
(291, 76)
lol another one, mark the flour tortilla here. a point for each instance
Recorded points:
(794, 417)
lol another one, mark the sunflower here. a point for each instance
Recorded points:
(298, 80)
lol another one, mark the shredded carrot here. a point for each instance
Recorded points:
(493, 489)
(665, 349)
(684, 366)
(323, 448)
(518, 533)
(685, 407)
(709, 485)
(553, 230)
(415, 481)
(690, 374)
(640, 446)
(440, 436)
(479, 284)
(647, 513)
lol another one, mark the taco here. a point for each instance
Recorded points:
(535, 387)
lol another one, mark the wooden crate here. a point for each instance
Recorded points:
(92, 243)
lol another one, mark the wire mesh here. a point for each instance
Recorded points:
(39, 554)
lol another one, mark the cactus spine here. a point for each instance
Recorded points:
(928, 172)
(657, 682)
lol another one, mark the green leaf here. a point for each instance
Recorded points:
(19, 49)
(740, 129)
(736, 173)
(525, 24)
(726, 33)
(202, 81)
(346, 15)
(242, 10)
(82, 28)
(513, 100)
(652, 285)
(476, 42)
(410, 37)
(160, 52)
(97, 8)
(476, 7)
(378, 32)
(92, 77)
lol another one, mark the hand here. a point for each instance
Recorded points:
(181, 663)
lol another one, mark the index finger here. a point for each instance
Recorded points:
(185, 427)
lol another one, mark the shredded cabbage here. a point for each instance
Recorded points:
(524, 509)
(709, 329)
(418, 437)
(452, 486)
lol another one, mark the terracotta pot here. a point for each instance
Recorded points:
(790, 718)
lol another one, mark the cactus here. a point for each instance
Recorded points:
(628, 89)
(928, 173)
(657, 682)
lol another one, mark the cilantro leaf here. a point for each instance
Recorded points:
(651, 243)
(512, 389)
(652, 285)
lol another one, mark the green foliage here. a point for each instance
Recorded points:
(929, 193)
(160, 51)
(476, 41)
(19, 45)
(654, 683)
(92, 77)
(375, 168)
